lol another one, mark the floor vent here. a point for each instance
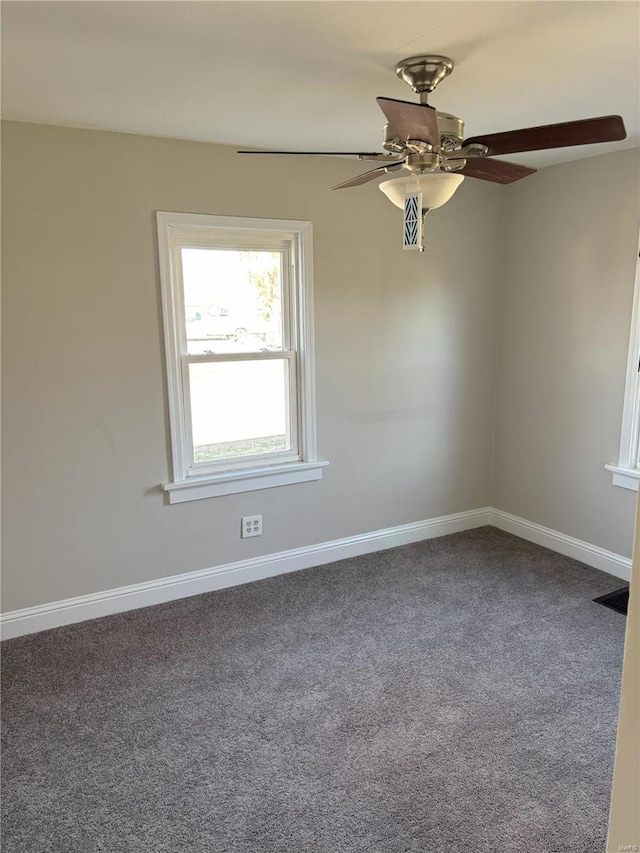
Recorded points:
(618, 600)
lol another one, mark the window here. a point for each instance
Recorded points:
(237, 305)
(627, 472)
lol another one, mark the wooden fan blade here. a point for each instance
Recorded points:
(584, 132)
(368, 176)
(498, 171)
(411, 121)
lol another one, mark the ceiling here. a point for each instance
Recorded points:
(305, 75)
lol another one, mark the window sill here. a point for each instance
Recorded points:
(233, 482)
(628, 478)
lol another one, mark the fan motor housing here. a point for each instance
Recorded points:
(450, 127)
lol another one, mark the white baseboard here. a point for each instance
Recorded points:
(58, 613)
(606, 561)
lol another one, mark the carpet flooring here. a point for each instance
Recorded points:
(458, 694)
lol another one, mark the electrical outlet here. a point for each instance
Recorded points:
(251, 526)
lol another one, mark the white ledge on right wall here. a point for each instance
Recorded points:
(628, 478)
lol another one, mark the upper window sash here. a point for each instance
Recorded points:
(284, 245)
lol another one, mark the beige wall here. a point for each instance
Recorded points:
(570, 259)
(405, 359)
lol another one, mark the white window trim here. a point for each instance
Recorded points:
(184, 487)
(627, 473)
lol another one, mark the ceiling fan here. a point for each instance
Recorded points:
(425, 141)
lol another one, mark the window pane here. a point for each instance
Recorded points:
(239, 408)
(232, 300)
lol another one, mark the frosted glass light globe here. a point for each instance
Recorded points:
(436, 188)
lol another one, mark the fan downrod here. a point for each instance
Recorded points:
(424, 72)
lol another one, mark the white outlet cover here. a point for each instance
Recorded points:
(251, 526)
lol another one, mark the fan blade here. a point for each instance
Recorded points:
(411, 121)
(498, 171)
(584, 132)
(368, 176)
(361, 155)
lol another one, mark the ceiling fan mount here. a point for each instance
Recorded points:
(424, 72)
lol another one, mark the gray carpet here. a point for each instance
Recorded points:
(455, 695)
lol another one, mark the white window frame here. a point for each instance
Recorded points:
(627, 472)
(293, 239)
